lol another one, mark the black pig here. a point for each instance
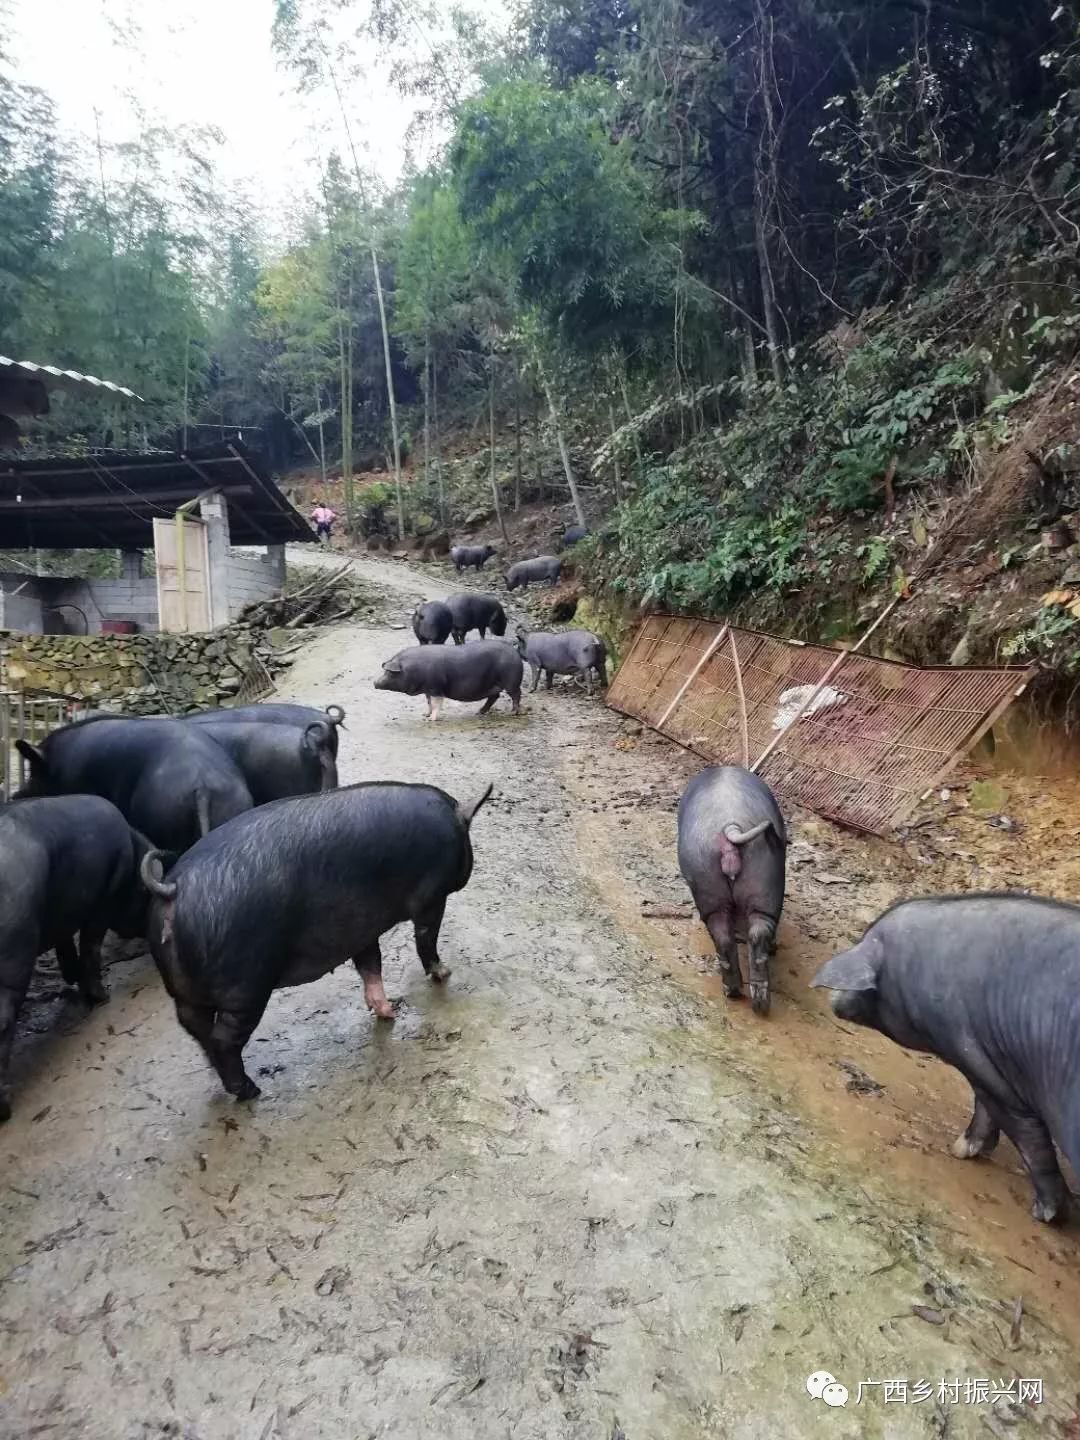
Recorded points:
(289, 891)
(544, 567)
(279, 760)
(275, 713)
(731, 853)
(469, 672)
(991, 984)
(166, 777)
(475, 555)
(472, 611)
(432, 623)
(68, 865)
(563, 652)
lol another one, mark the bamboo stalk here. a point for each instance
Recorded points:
(742, 701)
(710, 650)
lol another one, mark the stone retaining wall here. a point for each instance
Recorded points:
(144, 674)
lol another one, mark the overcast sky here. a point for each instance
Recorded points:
(207, 62)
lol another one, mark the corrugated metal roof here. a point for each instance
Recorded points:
(70, 380)
(112, 499)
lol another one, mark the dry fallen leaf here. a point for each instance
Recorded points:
(825, 879)
(932, 1317)
(1058, 597)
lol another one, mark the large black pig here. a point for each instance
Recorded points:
(469, 672)
(279, 760)
(275, 712)
(69, 865)
(169, 780)
(732, 855)
(286, 893)
(991, 984)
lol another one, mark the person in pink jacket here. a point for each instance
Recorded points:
(322, 517)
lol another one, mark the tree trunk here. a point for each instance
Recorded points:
(427, 414)
(537, 452)
(443, 511)
(768, 293)
(615, 455)
(491, 443)
(766, 184)
(391, 398)
(629, 412)
(564, 455)
(517, 435)
(390, 393)
(345, 356)
(321, 434)
(187, 349)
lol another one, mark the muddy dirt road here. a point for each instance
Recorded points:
(571, 1194)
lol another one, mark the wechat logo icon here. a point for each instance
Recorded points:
(823, 1386)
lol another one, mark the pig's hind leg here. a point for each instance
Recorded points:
(761, 942)
(223, 1036)
(91, 985)
(67, 957)
(1034, 1145)
(369, 967)
(232, 1030)
(982, 1133)
(426, 927)
(1032, 1139)
(721, 926)
(16, 968)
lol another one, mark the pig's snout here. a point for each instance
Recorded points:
(858, 1006)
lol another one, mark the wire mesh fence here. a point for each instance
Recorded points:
(875, 739)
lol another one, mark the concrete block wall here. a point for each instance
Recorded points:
(54, 604)
(254, 575)
(22, 611)
(123, 600)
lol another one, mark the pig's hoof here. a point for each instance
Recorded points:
(95, 993)
(733, 989)
(381, 1008)
(439, 973)
(965, 1149)
(759, 998)
(1049, 1211)
(5, 1108)
(247, 1089)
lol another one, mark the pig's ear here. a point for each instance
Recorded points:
(392, 667)
(35, 757)
(855, 969)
